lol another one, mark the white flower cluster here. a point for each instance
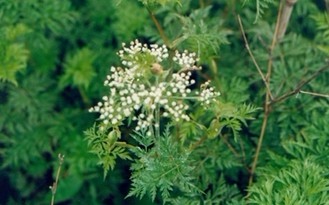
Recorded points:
(207, 93)
(130, 59)
(133, 96)
(186, 60)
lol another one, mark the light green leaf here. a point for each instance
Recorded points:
(79, 68)
(12, 60)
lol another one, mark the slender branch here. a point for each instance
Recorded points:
(300, 85)
(159, 28)
(275, 38)
(267, 112)
(315, 94)
(252, 56)
(267, 106)
(259, 146)
(274, 41)
(281, 25)
(53, 188)
(285, 17)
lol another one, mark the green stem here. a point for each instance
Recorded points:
(157, 123)
(55, 184)
(159, 28)
(83, 95)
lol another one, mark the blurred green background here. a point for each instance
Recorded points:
(54, 56)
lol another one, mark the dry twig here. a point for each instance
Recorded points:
(252, 55)
(53, 188)
(314, 94)
(300, 85)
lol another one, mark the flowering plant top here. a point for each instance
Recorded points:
(151, 85)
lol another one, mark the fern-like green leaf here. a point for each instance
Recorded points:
(322, 22)
(14, 60)
(300, 182)
(200, 34)
(13, 54)
(106, 147)
(261, 6)
(79, 68)
(163, 168)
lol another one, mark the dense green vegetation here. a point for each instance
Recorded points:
(263, 140)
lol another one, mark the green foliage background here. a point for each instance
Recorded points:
(54, 56)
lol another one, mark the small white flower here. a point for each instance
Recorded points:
(114, 121)
(126, 112)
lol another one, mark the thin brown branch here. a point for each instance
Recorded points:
(285, 17)
(275, 37)
(299, 86)
(252, 56)
(55, 184)
(274, 41)
(267, 106)
(159, 28)
(259, 146)
(315, 94)
(267, 112)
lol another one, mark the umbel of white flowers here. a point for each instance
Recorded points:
(142, 91)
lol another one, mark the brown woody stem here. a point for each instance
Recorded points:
(285, 17)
